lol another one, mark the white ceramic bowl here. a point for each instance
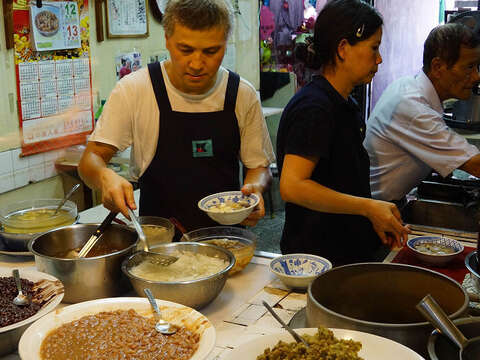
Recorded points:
(9, 335)
(298, 270)
(32, 338)
(435, 259)
(228, 217)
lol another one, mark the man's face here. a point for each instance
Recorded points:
(195, 56)
(458, 80)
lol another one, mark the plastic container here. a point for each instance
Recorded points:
(240, 242)
(36, 216)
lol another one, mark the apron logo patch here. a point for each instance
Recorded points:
(202, 148)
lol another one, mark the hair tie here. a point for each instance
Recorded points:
(360, 31)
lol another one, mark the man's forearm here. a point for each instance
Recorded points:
(260, 178)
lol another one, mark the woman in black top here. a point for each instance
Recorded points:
(324, 167)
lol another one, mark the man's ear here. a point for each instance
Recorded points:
(342, 49)
(437, 67)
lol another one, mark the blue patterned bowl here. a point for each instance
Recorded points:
(433, 257)
(220, 206)
(298, 270)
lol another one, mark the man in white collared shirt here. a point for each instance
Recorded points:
(406, 135)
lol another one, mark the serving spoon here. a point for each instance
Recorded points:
(20, 299)
(162, 326)
(297, 337)
(66, 197)
(156, 258)
(469, 349)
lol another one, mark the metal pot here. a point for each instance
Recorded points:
(380, 299)
(86, 278)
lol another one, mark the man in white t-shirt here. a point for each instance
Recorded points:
(189, 122)
(406, 135)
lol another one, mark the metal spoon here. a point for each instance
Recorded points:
(20, 299)
(156, 258)
(72, 190)
(469, 349)
(297, 337)
(162, 326)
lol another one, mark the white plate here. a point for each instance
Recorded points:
(373, 347)
(32, 338)
(53, 286)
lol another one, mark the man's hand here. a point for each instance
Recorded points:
(259, 210)
(117, 192)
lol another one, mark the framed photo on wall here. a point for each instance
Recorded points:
(126, 18)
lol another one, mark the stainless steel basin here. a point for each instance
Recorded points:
(441, 214)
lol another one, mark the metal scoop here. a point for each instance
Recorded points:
(20, 299)
(162, 326)
(72, 190)
(297, 337)
(469, 348)
(156, 258)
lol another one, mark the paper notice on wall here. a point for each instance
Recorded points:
(229, 60)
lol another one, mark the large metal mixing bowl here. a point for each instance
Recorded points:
(380, 299)
(193, 293)
(86, 278)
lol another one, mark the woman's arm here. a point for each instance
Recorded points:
(297, 187)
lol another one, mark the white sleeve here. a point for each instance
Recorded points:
(256, 147)
(426, 136)
(115, 124)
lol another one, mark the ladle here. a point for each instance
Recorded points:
(72, 190)
(97, 234)
(469, 348)
(20, 299)
(160, 259)
(162, 326)
(297, 337)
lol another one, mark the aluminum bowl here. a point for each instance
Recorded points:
(86, 278)
(380, 299)
(193, 293)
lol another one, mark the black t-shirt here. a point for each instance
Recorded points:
(319, 122)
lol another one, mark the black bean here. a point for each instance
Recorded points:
(9, 312)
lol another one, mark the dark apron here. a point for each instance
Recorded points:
(196, 155)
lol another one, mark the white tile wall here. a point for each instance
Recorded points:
(6, 165)
(16, 171)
